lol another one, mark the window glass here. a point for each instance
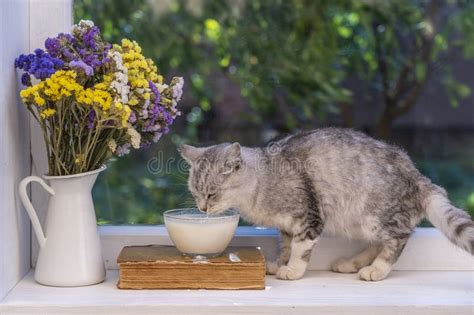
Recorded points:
(256, 70)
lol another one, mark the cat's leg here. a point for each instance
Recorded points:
(308, 224)
(284, 256)
(354, 264)
(299, 258)
(383, 263)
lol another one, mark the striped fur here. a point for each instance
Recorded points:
(334, 180)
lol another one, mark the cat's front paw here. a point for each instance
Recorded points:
(344, 266)
(371, 273)
(287, 273)
(271, 267)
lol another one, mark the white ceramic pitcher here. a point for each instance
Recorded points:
(70, 253)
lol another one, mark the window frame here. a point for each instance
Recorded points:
(427, 249)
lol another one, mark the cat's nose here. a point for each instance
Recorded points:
(203, 207)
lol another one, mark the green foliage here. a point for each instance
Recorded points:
(139, 187)
(291, 58)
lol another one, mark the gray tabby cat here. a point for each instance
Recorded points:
(337, 180)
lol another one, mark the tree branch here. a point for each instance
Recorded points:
(425, 58)
(382, 65)
(347, 114)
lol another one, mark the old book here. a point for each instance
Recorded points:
(163, 267)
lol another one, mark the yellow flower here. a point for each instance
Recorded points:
(118, 105)
(140, 70)
(61, 84)
(125, 115)
(95, 96)
(126, 43)
(79, 159)
(25, 93)
(39, 100)
(48, 112)
(133, 101)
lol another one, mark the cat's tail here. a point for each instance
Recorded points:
(453, 222)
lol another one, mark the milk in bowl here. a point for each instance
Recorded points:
(197, 233)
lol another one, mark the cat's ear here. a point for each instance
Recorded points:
(190, 153)
(233, 158)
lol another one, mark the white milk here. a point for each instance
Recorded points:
(208, 237)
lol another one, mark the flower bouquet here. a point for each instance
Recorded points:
(92, 100)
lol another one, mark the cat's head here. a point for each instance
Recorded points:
(215, 175)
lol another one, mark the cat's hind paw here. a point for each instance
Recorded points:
(371, 273)
(271, 267)
(344, 266)
(287, 273)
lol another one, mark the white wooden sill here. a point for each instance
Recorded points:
(431, 277)
(427, 248)
(319, 292)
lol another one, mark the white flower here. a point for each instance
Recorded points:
(120, 82)
(87, 23)
(161, 87)
(147, 103)
(124, 149)
(134, 137)
(112, 145)
(178, 89)
(174, 111)
(82, 26)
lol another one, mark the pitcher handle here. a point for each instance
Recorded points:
(29, 207)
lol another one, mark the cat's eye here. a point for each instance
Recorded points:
(211, 195)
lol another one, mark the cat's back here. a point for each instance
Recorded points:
(325, 140)
(345, 150)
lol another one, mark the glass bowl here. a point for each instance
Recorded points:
(197, 233)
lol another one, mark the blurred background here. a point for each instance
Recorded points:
(400, 71)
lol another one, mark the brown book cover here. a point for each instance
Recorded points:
(164, 267)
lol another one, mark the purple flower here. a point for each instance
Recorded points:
(53, 46)
(86, 48)
(89, 37)
(91, 59)
(26, 79)
(155, 91)
(68, 55)
(41, 65)
(133, 118)
(91, 118)
(60, 46)
(156, 118)
(82, 65)
(145, 145)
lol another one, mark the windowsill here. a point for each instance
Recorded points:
(409, 292)
(427, 248)
(431, 277)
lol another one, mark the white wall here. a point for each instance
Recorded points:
(24, 26)
(14, 146)
(50, 18)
